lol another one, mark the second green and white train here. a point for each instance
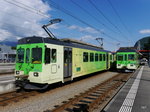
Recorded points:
(127, 59)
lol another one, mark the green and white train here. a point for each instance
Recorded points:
(43, 61)
(127, 59)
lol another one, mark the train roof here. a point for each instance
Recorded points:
(64, 42)
(127, 49)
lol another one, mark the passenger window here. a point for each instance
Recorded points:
(54, 55)
(47, 55)
(85, 57)
(91, 57)
(104, 57)
(27, 55)
(100, 57)
(96, 57)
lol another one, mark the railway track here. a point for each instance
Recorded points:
(14, 96)
(95, 98)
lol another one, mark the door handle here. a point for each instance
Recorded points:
(58, 66)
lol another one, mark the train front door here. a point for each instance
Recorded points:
(67, 62)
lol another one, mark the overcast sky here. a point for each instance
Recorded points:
(118, 22)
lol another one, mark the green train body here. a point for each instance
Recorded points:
(43, 61)
(127, 59)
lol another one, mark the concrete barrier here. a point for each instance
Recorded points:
(7, 68)
(7, 84)
(7, 87)
(7, 64)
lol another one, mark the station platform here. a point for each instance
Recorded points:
(135, 94)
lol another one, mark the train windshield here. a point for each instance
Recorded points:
(20, 55)
(131, 57)
(37, 55)
(120, 57)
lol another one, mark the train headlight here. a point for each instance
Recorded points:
(36, 74)
(17, 72)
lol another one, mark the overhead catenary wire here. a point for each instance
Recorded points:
(117, 14)
(91, 2)
(39, 11)
(58, 7)
(10, 14)
(13, 15)
(27, 8)
(87, 12)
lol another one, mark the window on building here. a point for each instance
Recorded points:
(96, 57)
(91, 57)
(85, 57)
(54, 56)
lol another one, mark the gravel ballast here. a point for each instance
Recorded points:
(55, 96)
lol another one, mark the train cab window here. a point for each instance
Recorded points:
(96, 57)
(131, 57)
(120, 57)
(125, 57)
(54, 55)
(104, 58)
(20, 55)
(100, 57)
(37, 55)
(47, 55)
(27, 55)
(91, 57)
(85, 57)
